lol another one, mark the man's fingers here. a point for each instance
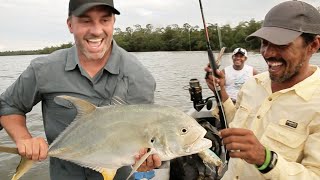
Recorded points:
(237, 154)
(43, 151)
(235, 146)
(22, 149)
(156, 160)
(237, 138)
(235, 132)
(150, 161)
(142, 152)
(35, 150)
(28, 149)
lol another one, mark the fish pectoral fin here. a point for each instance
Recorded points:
(141, 160)
(83, 107)
(108, 174)
(24, 165)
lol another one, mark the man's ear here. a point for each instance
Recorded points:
(315, 45)
(69, 24)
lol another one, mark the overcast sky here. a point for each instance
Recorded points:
(34, 24)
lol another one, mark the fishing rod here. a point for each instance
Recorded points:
(214, 68)
(217, 90)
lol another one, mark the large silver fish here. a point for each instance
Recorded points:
(107, 138)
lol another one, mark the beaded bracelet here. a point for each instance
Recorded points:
(266, 161)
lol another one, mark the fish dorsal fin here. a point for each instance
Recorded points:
(116, 100)
(83, 107)
(141, 160)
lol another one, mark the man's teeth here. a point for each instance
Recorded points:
(94, 42)
(273, 64)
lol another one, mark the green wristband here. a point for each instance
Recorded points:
(266, 161)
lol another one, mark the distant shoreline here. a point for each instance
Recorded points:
(46, 50)
(173, 38)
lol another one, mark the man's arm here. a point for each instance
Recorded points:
(15, 102)
(228, 105)
(242, 143)
(33, 148)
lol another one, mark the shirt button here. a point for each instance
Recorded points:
(270, 98)
(258, 116)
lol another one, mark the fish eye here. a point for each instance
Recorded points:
(184, 130)
(153, 140)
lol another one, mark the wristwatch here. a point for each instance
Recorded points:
(272, 164)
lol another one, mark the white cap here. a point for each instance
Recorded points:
(240, 50)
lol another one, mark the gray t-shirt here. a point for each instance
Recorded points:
(61, 74)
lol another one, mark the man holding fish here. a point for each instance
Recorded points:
(275, 124)
(95, 69)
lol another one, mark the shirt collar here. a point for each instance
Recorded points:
(305, 89)
(72, 59)
(112, 65)
(308, 87)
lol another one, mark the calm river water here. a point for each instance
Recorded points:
(172, 71)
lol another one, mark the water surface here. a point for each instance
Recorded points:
(172, 71)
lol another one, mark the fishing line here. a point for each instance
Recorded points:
(217, 90)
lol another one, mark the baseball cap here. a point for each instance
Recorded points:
(78, 7)
(241, 51)
(287, 21)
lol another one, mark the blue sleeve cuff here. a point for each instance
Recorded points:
(144, 175)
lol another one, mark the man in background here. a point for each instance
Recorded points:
(238, 73)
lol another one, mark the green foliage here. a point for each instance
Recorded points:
(187, 37)
(46, 50)
(173, 38)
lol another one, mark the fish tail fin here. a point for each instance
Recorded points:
(11, 150)
(24, 165)
(142, 159)
(108, 174)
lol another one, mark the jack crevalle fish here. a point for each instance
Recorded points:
(107, 138)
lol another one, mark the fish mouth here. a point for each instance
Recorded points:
(200, 144)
